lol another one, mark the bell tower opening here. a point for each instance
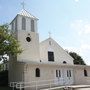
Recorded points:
(23, 23)
(32, 26)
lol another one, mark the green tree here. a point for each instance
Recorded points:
(77, 58)
(8, 44)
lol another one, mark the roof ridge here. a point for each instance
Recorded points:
(24, 12)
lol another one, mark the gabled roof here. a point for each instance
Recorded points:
(47, 40)
(23, 12)
(56, 44)
(50, 39)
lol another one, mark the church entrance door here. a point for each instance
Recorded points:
(58, 79)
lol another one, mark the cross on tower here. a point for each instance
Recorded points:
(23, 5)
(49, 34)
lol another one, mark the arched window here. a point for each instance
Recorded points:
(32, 26)
(85, 72)
(69, 73)
(59, 73)
(12, 26)
(37, 72)
(16, 24)
(64, 62)
(23, 23)
(56, 73)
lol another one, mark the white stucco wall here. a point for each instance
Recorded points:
(79, 75)
(48, 73)
(16, 70)
(59, 54)
(30, 49)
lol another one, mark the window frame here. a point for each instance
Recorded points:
(50, 56)
(23, 23)
(59, 73)
(69, 74)
(32, 25)
(56, 73)
(37, 71)
(85, 73)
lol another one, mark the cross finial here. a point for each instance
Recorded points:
(23, 5)
(49, 34)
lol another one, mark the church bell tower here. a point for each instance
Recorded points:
(24, 27)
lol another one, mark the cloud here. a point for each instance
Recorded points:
(85, 46)
(81, 27)
(76, 0)
(85, 53)
(84, 50)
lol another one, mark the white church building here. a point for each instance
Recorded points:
(42, 63)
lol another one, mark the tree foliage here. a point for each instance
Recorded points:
(77, 58)
(8, 44)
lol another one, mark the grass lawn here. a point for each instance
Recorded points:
(5, 88)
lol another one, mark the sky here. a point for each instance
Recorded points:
(67, 20)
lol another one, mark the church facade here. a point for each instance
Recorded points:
(42, 62)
